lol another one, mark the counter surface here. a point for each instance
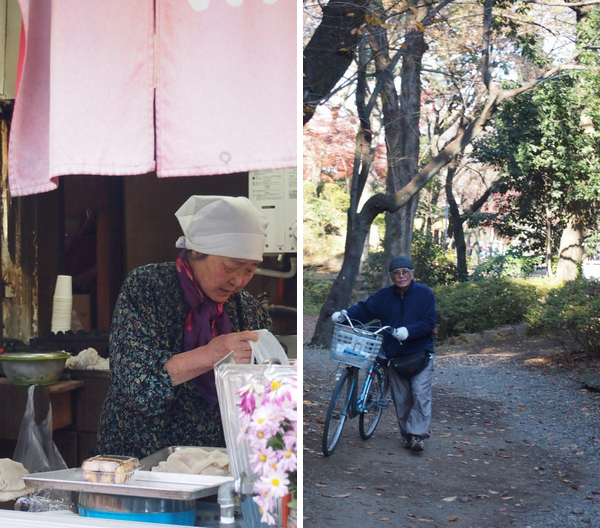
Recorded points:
(16, 519)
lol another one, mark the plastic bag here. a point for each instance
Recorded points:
(35, 448)
(38, 453)
(267, 349)
(46, 500)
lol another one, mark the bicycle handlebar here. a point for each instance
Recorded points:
(366, 328)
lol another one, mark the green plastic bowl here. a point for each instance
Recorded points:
(33, 368)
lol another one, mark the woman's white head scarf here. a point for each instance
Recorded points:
(222, 225)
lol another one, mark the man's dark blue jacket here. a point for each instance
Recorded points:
(415, 310)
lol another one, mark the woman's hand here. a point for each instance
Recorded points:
(237, 342)
(187, 365)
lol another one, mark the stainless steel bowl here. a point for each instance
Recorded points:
(33, 368)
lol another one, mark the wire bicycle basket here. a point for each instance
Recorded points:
(354, 346)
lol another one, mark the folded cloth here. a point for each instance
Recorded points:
(12, 486)
(196, 461)
(87, 359)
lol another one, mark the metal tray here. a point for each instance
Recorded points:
(142, 484)
(156, 458)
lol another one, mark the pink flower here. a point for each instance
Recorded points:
(288, 462)
(290, 439)
(263, 459)
(269, 423)
(247, 401)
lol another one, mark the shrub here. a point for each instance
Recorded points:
(570, 315)
(475, 306)
(316, 288)
(372, 271)
(432, 266)
(507, 265)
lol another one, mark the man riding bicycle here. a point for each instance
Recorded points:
(409, 307)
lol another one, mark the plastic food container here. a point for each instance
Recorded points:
(167, 511)
(109, 469)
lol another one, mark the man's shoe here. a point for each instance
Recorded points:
(406, 441)
(417, 443)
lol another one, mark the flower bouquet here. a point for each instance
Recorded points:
(268, 422)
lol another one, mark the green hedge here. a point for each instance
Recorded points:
(570, 314)
(474, 306)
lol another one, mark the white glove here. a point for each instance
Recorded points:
(401, 333)
(338, 317)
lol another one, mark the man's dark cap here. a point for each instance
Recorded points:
(401, 262)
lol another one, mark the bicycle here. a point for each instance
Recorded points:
(357, 349)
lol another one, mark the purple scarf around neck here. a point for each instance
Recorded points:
(206, 320)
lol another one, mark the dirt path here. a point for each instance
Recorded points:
(492, 460)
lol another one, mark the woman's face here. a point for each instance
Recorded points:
(221, 277)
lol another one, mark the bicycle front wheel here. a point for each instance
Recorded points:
(375, 401)
(337, 412)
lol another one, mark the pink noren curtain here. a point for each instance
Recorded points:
(183, 87)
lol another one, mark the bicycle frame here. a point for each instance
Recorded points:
(357, 403)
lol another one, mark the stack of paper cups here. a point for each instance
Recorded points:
(63, 304)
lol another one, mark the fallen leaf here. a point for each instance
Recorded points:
(449, 499)
(342, 496)
(453, 519)
(383, 519)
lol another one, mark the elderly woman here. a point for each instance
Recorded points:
(173, 321)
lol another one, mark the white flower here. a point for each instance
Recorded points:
(277, 482)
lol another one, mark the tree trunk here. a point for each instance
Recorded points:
(570, 253)
(549, 218)
(402, 131)
(341, 291)
(330, 51)
(359, 224)
(457, 223)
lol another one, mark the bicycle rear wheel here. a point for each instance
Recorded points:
(374, 403)
(337, 412)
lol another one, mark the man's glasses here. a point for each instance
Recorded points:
(402, 272)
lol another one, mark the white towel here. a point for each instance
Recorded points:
(12, 486)
(87, 359)
(196, 461)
